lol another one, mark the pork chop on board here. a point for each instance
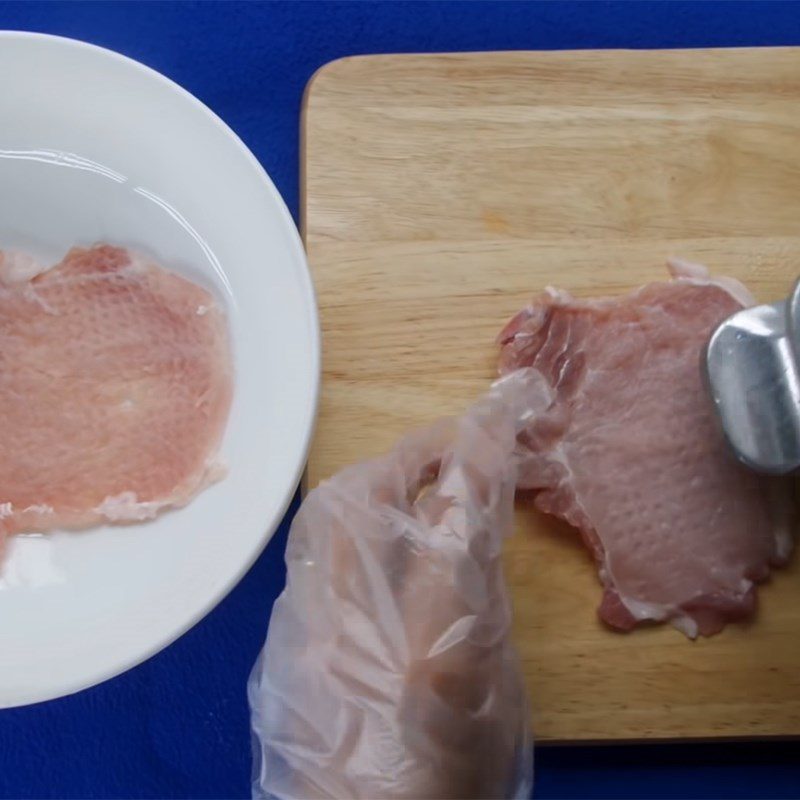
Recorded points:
(630, 452)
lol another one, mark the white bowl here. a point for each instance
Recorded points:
(95, 147)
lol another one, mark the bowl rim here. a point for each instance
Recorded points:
(296, 466)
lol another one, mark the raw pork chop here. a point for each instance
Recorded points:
(115, 383)
(630, 453)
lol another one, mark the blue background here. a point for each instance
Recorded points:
(177, 726)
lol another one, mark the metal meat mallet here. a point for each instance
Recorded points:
(751, 363)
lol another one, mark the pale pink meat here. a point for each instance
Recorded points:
(115, 385)
(630, 453)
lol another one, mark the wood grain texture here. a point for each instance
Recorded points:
(441, 192)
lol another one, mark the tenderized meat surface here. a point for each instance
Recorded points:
(115, 385)
(630, 452)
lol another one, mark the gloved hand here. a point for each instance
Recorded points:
(388, 671)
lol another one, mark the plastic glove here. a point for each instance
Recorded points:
(388, 671)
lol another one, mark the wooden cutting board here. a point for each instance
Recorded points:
(441, 192)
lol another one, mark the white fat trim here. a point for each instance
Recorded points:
(125, 507)
(560, 296)
(691, 272)
(682, 268)
(38, 508)
(216, 470)
(686, 625)
(18, 267)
